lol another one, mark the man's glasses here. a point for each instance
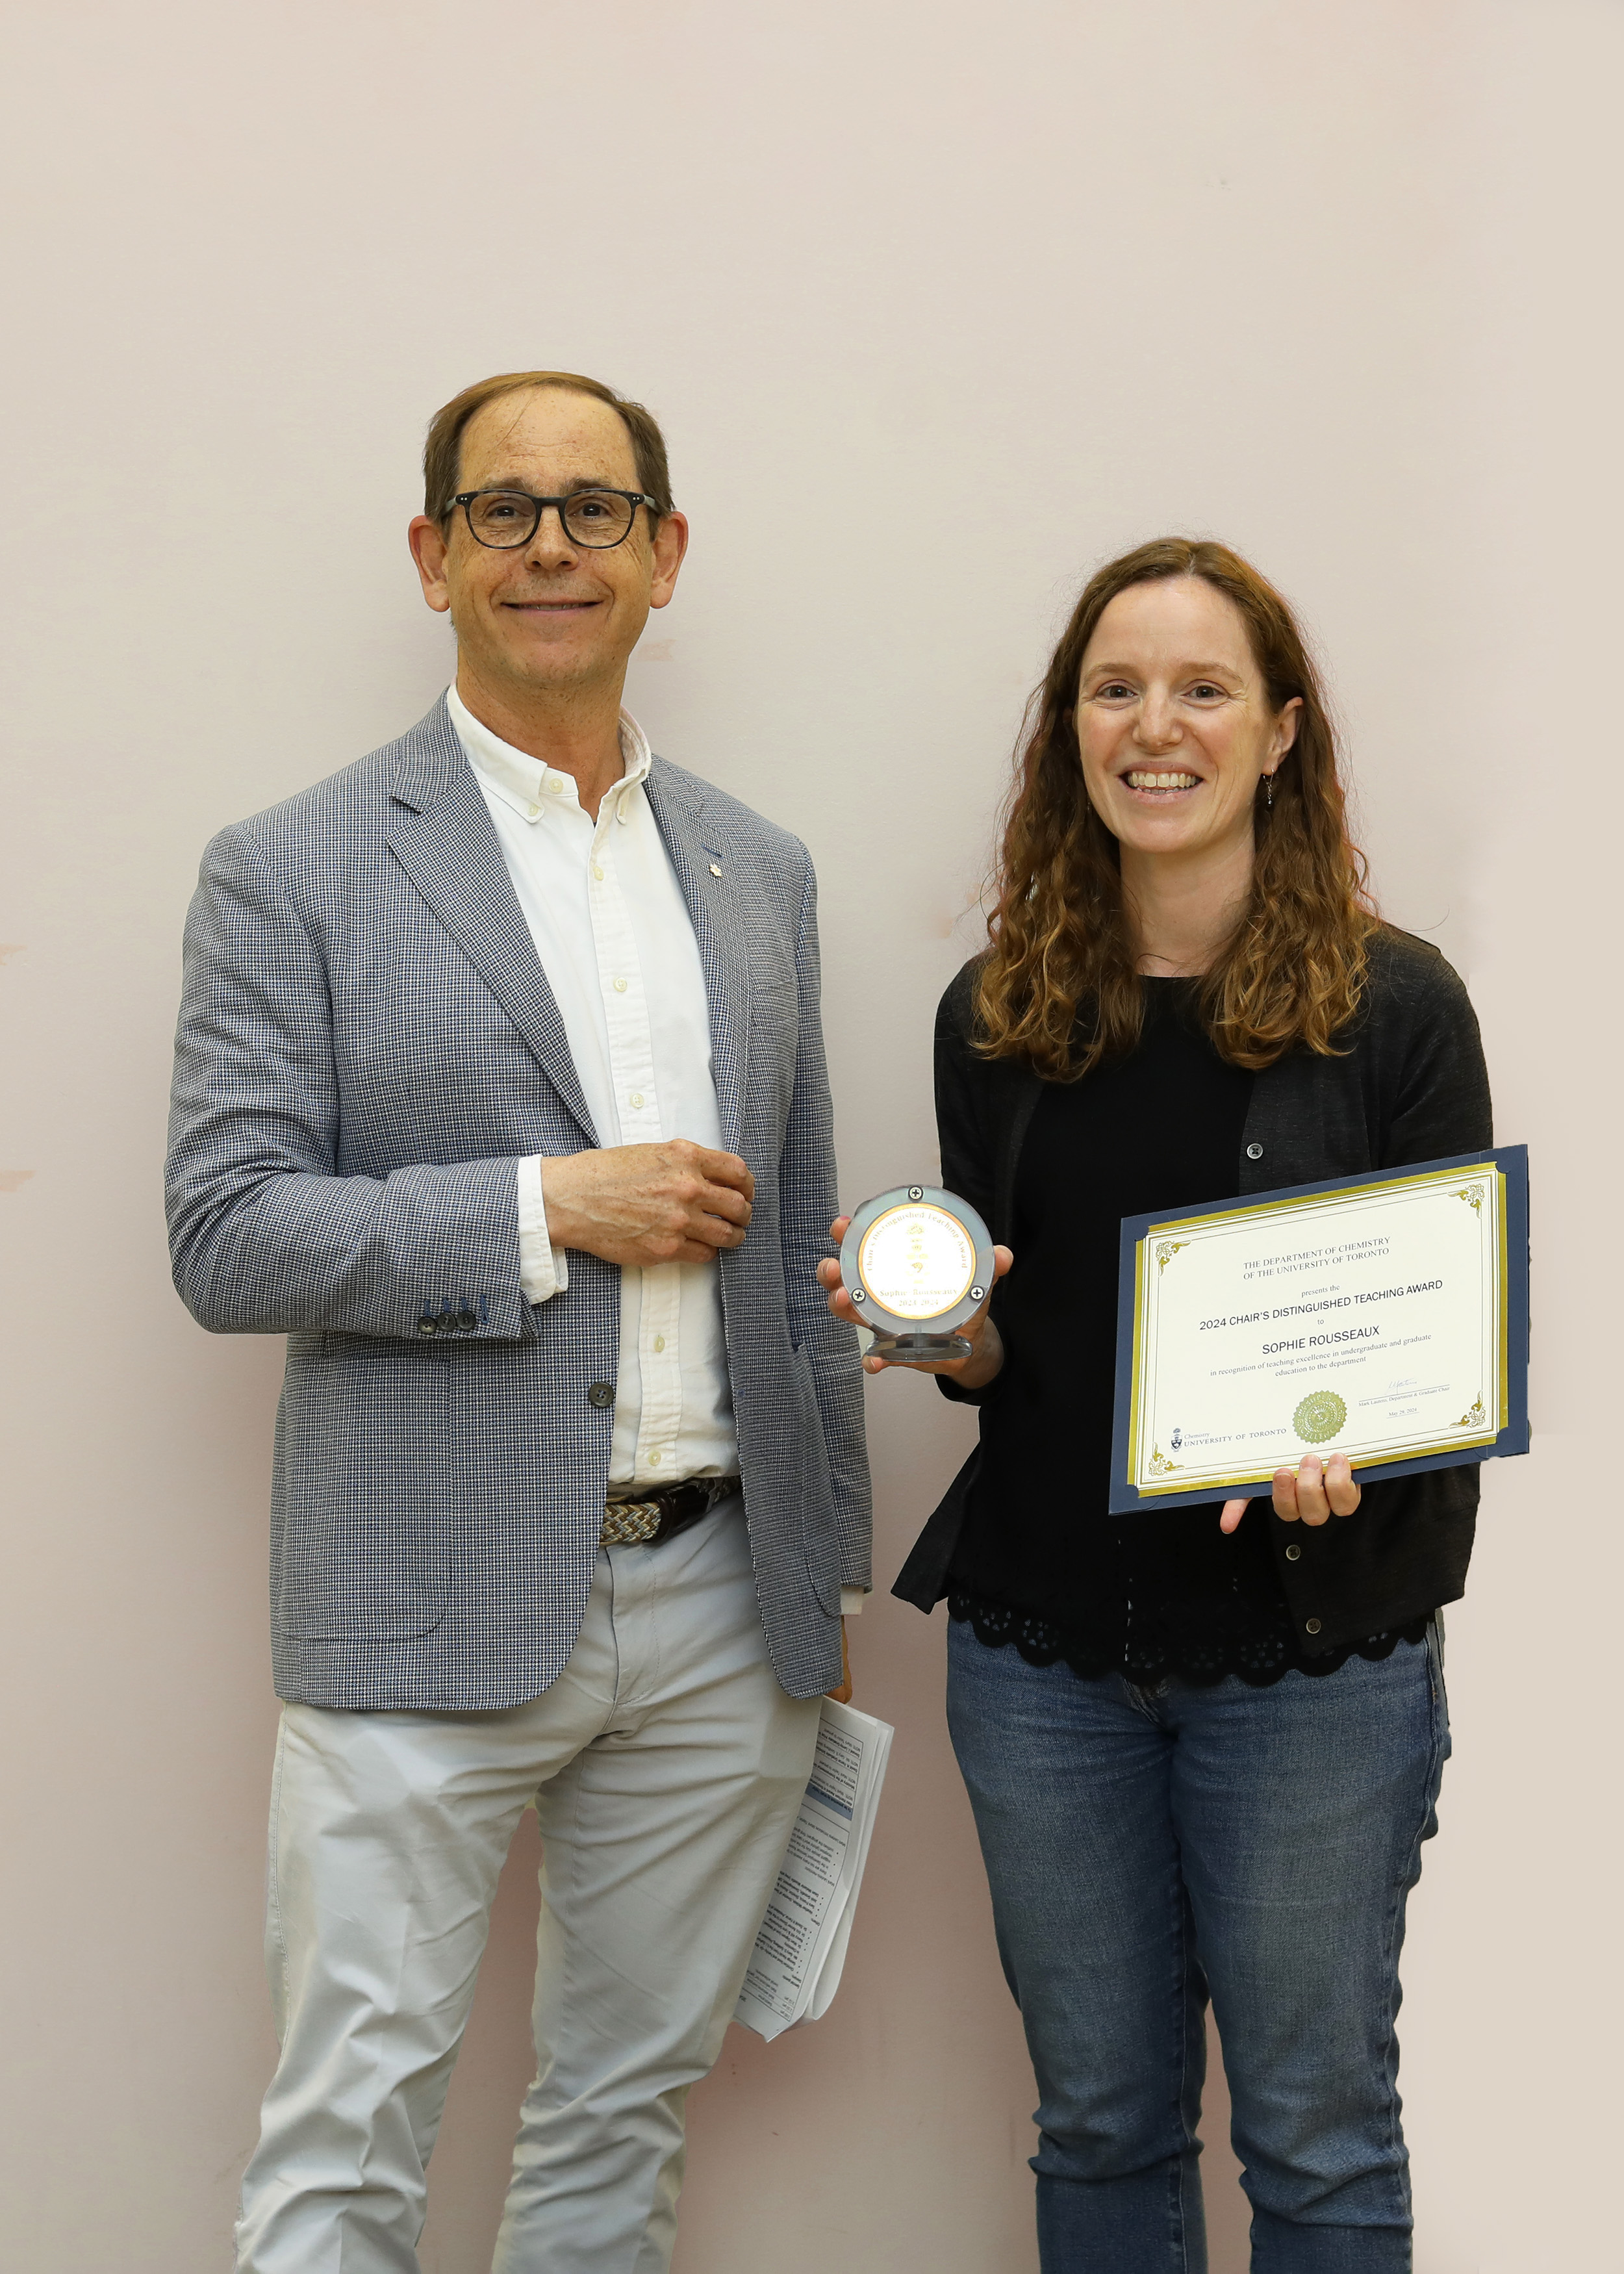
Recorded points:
(506, 519)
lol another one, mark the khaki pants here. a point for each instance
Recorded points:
(666, 1766)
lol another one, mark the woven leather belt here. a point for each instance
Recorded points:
(645, 1523)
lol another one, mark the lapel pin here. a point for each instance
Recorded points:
(715, 868)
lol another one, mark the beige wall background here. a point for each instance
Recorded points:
(942, 304)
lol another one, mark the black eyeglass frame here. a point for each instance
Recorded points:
(634, 498)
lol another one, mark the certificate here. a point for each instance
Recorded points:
(1385, 1317)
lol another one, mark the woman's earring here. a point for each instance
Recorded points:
(1268, 793)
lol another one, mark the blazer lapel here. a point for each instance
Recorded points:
(698, 844)
(440, 831)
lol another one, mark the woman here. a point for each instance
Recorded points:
(1203, 1749)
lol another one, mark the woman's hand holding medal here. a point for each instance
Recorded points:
(986, 1356)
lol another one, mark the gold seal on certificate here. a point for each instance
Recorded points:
(917, 1262)
(1384, 1317)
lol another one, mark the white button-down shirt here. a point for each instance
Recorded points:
(615, 939)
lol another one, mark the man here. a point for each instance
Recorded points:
(500, 1092)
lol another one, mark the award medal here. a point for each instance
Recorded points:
(917, 1262)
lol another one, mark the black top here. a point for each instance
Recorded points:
(1407, 1086)
(1153, 1593)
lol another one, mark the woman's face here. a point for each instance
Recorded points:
(1174, 721)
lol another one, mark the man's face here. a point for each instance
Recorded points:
(552, 616)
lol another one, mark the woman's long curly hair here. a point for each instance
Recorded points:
(1059, 984)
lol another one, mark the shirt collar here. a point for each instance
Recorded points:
(530, 785)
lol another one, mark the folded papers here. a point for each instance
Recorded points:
(795, 1966)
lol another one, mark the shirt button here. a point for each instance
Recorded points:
(535, 810)
(1254, 1152)
(598, 872)
(555, 788)
(660, 1342)
(600, 1395)
(620, 987)
(1293, 1552)
(636, 1097)
(1310, 1626)
(654, 1460)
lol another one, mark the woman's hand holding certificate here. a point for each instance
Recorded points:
(1312, 1493)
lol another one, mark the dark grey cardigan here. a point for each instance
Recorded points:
(1411, 1087)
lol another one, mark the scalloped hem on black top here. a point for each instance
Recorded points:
(1259, 1657)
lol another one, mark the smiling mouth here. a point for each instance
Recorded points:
(1160, 784)
(551, 607)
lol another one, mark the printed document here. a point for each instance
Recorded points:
(794, 1969)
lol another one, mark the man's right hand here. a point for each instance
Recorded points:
(639, 1205)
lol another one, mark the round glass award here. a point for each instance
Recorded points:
(917, 1262)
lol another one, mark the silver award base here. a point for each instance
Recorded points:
(919, 1350)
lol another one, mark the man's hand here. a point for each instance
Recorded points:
(1306, 1494)
(639, 1205)
(986, 1359)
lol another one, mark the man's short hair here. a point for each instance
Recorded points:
(442, 451)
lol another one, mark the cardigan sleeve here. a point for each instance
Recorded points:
(965, 1125)
(968, 1166)
(1441, 1097)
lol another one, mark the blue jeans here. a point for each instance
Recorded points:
(1144, 1846)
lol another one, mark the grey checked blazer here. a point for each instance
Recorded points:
(367, 1045)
